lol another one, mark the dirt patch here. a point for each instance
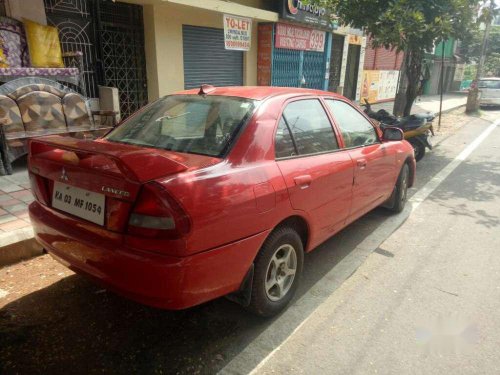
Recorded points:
(26, 277)
(452, 121)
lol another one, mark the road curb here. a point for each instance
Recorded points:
(18, 245)
(451, 109)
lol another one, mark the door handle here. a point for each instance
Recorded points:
(361, 163)
(303, 181)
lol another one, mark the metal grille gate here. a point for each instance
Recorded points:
(121, 36)
(293, 68)
(287, 66)
(75, 23)
(111, 37)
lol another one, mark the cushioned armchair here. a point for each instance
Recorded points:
(33, 107)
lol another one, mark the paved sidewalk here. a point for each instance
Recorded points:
(429, 103)
(14, 199)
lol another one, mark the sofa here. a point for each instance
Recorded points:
(34, 107)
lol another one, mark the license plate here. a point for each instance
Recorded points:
(79, 202)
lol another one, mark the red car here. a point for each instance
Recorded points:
(214, 192)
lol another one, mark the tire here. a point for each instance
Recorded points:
(273, 287)
(418, 149)
(401, 190)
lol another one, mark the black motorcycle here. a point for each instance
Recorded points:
(416, 128)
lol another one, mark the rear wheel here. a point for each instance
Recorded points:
(278, 268)
(418, 149)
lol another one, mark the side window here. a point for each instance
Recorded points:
(355, 128)
(311, 130)
(284, 146)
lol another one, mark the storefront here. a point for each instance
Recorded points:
(296, 51)
(206, 61)
(190, 43)
(307, 49)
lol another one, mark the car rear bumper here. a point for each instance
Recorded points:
(152, 279)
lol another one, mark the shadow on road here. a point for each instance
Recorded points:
(74, 325)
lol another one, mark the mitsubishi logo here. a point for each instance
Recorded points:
(64, 176)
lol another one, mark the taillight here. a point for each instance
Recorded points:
(157, 215)
(39, 188)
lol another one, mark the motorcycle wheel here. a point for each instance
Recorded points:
(418, 149)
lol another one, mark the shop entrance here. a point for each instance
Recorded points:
(206, 61)
(292, 68)
(351, 76)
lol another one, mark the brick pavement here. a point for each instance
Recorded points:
(15, 195)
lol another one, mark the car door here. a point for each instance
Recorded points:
(374, 162)
(317, 173)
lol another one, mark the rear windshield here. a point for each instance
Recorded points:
(489, 84)
(187, 123)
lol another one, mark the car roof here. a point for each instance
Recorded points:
(490, 79)
(258, 92)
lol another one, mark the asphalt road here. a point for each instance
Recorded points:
(356, 310)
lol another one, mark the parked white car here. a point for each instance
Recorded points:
(490, 91)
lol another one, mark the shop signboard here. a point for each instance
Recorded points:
(237, 32)
(299, 38)
(307, 12)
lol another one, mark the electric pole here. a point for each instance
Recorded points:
(473, 97)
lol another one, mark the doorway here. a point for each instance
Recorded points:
(336, 62)
(352, 70)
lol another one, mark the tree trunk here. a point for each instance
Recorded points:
(413, 72)
(400, 99)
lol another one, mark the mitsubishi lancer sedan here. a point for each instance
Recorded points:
(214, 192)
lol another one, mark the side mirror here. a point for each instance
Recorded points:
(392, 134)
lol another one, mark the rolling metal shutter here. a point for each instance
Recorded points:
(207, 61)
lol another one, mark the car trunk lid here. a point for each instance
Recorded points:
(101, 168)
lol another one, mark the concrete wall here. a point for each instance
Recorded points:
(164, 46)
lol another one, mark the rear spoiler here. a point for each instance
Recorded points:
(139, 165)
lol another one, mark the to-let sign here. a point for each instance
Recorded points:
(299, 38)
(237, 33)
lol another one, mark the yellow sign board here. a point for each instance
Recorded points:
(355, 39)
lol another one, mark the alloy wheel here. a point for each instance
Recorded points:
(281, 272)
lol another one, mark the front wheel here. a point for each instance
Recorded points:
(278, 268)
(401, 190)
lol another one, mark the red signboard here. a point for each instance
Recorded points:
(299, 38)
(265, 41)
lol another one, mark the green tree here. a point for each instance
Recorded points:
(470, 48)
(411, 26)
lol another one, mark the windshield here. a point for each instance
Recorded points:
(489, 84)
(187, 123)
